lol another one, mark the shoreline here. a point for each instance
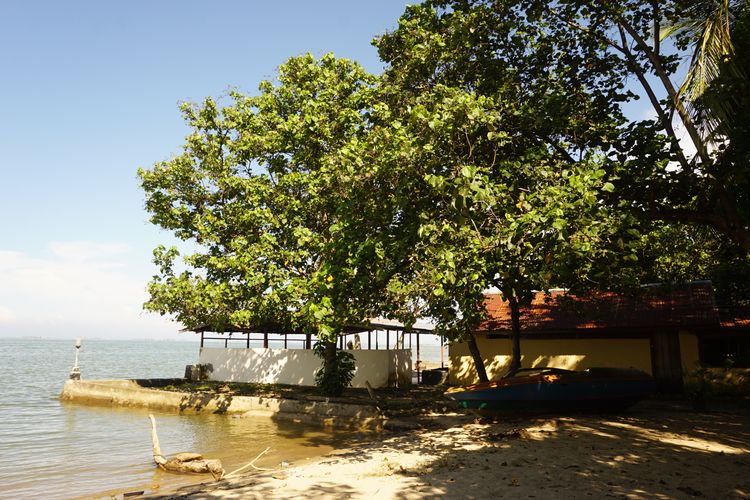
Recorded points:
(655, 450)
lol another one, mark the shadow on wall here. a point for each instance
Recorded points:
(463, 371)
(298, 367)
(198, 401)
(462, 367)
(569, 354)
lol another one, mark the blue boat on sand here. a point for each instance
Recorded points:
(556, 390)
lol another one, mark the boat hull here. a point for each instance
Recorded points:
(558, 390)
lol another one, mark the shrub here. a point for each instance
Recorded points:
(332, 380)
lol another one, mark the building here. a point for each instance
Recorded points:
(274, 354)
(663, 330)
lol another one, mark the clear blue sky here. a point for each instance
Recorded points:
(90, 92)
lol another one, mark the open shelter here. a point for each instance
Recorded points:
(273, 353)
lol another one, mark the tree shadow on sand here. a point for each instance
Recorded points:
(643, 454)
(653, 451)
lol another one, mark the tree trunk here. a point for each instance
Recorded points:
(329, 360)
(515, 318)
(471, 341)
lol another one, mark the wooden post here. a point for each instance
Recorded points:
(226, 342)
(369, 340)
(442, 363)
(265, 340)
(377, 346)
(308, 341)
(387, 340)
(285, 340)
(418, 362)
(247, 340)
(202, 333)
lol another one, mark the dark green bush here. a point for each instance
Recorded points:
(332, 380)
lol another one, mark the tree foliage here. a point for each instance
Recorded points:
(494, 151)
(536, 176)
(256, 192)
(572, 65)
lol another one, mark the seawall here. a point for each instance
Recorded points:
(128, 393)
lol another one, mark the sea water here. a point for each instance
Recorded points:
(52, 449)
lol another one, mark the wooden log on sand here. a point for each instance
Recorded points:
(184, 462)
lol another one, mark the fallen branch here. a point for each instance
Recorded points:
(251, 464)
(183, 462)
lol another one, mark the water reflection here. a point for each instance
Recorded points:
(126, 453)
(55, 450)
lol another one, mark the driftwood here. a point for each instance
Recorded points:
(251, 464)
(184, 462)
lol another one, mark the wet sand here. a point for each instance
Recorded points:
(656, 450)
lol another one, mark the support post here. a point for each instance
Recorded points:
(369, 340)
(308, 341)
(247, 334)
(387, 340)
(202, 333)
(265, 340)
(418, 360)
(442, 348)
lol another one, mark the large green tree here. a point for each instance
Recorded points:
(482, 204)
(505, 100)
(582, 60)
(257, 193)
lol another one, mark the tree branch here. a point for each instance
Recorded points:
(665, 121)
(671, 91)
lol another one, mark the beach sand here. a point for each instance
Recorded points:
(657, 450)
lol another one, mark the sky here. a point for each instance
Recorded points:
(90, 93)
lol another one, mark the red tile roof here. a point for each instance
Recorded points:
(735, 318)
(687, 305)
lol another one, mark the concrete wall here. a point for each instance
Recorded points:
(571, 354)
(298, 366)
(130, 393)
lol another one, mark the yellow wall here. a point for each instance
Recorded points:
(689, 351)
(572, 354)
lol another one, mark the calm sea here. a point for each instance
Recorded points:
(51, 449)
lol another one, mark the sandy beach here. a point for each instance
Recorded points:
(656, 450)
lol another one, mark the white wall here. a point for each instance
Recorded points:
(298, 366)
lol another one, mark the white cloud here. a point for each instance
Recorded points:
(76, 288)
(80, 251)
(6, 315)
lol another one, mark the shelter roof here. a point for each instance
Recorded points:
(278, 328)
(689, 305)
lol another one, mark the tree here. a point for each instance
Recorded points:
(549, 80)
(707, 26)
(481, 204)
(256, 193)
(574, 58)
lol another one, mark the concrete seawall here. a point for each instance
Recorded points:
(129, 393)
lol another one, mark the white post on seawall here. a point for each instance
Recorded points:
(75, 373)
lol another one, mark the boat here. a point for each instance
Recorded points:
(557, 390)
